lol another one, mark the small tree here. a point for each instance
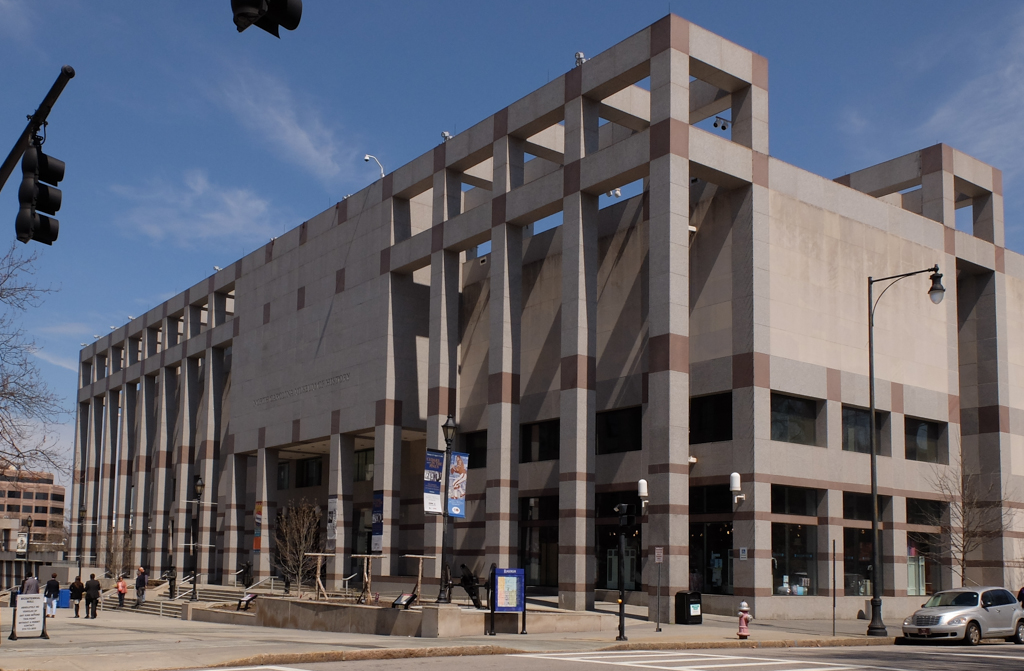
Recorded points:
(297, 534)
(28, 408)
(973, 513)
(118, 549)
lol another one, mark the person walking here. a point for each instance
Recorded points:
(30, 585)
(122, 589)
(1020, 596)
(141, 581)
(92, 596)
(77, 589)
(52, 593)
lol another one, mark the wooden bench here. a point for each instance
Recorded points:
(245, 601)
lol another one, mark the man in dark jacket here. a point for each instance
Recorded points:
(77, 589)
(92, 596)
(52, 593)
(30, 585)
(140, 587)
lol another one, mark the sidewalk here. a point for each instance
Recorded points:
(125, 641)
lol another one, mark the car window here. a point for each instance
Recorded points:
(965, 599)
(1006, 598)
(962, 599)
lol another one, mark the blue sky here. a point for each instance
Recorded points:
(188, 144)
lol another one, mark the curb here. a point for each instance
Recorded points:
(475, 650)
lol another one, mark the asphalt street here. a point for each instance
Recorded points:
(924, 658)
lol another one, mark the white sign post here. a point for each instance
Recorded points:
(29, 617)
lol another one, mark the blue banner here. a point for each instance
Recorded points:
(457, 472)
(377, 542)
(509, 590)
(432, 474)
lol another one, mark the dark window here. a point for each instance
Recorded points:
(711, 418)
(56, 524)
(13, 509)
(794, 500)
(26, 509)
(794, 419)
(710, 500)
(538, 540)
(475, 445)
(858, 506)
(538, 442)
(794, 549)
(857, 562)
(309, 472)
(856, 430)
(56, 511)
(14, 495)
(923, 569)
(619, 431)
(925, 511)
(364, 465)
(711, 557)
(42, 496)
(57, 497)
(284, 475)
(39, 523)
(41, 510)
(923, 440)
(2, 493)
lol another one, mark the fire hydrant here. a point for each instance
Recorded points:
(745, 619)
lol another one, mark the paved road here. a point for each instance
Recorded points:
(946, 658)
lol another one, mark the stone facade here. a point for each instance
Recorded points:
(731, 283)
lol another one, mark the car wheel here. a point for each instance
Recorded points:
(973, 634)
(1018, 633)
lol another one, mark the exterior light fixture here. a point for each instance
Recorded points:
(379, 165)
(200, 485)
(937, 291)
(448, 429)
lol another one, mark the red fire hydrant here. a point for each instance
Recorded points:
(745, 619)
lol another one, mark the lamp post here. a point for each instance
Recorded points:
(448, 430)
(936, 292)
(28, 542)
(195, 536)
(81, 534)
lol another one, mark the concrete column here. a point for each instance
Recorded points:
(189, 391)
(160, 506)
(987, 214)
(938, 191)
(107, 476)
(668, 311)
(231, 513)
(208, 453)
(750, 109)
(266, 504)
(831, 508)
(341, 485)
(79, 480)
(578, 400)
(141, 467)
(894, 546)
(124, 520)
(442, 374)
(387, 477)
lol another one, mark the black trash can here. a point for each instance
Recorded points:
(688, 609)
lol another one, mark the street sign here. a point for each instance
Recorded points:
(743, 554)
(28, 619)
(509, 590)
(659, 555)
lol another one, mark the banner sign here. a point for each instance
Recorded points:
(457, 472)
(28, 621)
(432, 482)
(510, 590)
(258, 526)
(21, 549)
(332, 519)
(377, 523)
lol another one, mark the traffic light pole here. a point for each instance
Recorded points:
(35, 122)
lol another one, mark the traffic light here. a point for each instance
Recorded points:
(627, 514)
(267, 14)
(34, 196)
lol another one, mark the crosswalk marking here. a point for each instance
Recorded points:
(674, 660)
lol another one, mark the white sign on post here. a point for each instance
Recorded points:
(659, 555)
(29, 618)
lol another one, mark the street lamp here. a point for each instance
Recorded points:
(936, 292)
(195, 536)
(81, 535)
(448, 431)
(28, 542)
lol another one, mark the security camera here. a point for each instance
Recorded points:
(367, 158)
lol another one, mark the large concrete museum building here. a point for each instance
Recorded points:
(709, 319)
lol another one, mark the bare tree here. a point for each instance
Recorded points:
(972, 513)
(118, 547)
(297, 534)
(28, 408)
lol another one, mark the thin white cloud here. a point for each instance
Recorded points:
(198, 210)
(66, 328)
(294, 128)
(63, 362)
(15, 19)
(982, 116)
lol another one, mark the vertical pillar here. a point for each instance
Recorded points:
(938, 192)
(577, 562)
(208, 453)
(106, 475)
(341, 484)
(501, 500)
(141, 465)
(750, 108)
(231, 513)
(184, 457)
(668, 304)
(442, 373)
(124, 519)
(80, 479)
(266, 503)
(159, 527)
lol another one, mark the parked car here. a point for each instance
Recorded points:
(967, 614)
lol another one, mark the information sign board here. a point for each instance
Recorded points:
(510, 590)
(432, 472)
(457, 472)
(28, 621)
(377, 522)
(659, 555)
